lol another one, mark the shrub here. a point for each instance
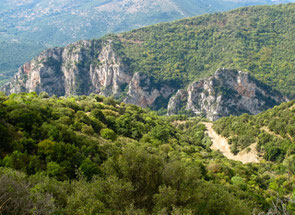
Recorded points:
(108, 134)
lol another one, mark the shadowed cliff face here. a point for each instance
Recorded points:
(227, 92)
(94, 66)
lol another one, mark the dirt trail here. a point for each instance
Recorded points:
(220, 143)
(266, 129)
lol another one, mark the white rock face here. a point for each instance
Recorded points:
(94, 67)
(80, 68)
(108, 77)
(144, 93)
(32, 75)
(228, 92)
(87, 67)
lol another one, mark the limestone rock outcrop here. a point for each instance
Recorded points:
(94, 66)
(87, 67)
(227, 92)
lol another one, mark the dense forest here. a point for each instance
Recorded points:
(95, 155)
(258, 39)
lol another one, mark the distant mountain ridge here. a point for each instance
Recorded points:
(37, 24)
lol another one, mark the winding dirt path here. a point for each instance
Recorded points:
(220, 143)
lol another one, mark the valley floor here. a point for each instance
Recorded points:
(220, 143)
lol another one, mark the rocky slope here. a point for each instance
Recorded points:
(227, 92)
(87, 67)
(30, 26)
(94, 66)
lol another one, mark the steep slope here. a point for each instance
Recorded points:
(228, 92)
(66, 71)
(95, 155)
(272, 130)
(94, 145)
(87, 67)
(74, 71)
(147, 66)
(13, 54)
(257, 39)
(51, 23)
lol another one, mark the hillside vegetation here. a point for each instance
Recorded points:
(251, 39)
(14, 54)
(272, 130)
(56, 23)
(94, 155)
(257, 39)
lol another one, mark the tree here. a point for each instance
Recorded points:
(108, 134)
(289, 163)
(89, 169)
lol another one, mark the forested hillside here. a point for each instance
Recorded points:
(272, 130)
(256, 39)
(14, 54)
(52, 23)
(148, 66)
(94, 155)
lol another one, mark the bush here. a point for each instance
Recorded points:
(16, 198)
(108, 134)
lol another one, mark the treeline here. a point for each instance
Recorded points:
(95, 155)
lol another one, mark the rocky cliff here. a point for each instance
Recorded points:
(95, 67)
(227, 92)
(88, 67)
